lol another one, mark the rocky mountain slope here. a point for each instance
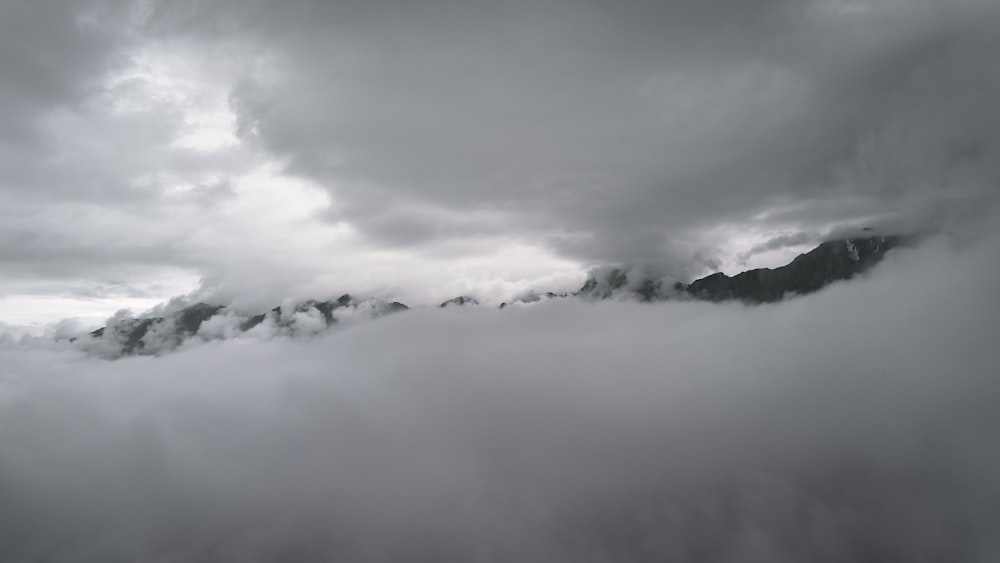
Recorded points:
(831, 261)
(154, 334)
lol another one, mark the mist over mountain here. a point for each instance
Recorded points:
(166, 328)
(522, 281)
(854, 424)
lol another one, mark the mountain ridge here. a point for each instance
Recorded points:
(831, 261)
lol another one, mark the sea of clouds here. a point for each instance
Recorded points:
(858, 424)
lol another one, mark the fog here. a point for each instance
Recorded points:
(858, 424)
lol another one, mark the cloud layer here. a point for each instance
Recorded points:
(469, 147)
(620, 134)
(856, 424)
(265, 151)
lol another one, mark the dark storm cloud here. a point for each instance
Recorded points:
(643, 132)
(51, 52)
(612, 131)
(86, 149)
(858, 424)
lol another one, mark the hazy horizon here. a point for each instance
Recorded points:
(254, 153)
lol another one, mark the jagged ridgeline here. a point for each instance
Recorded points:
(831, 261)
(125, 335)
(184, 323)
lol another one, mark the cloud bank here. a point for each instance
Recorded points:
(854, 425)
(629, 133)
(453, 147)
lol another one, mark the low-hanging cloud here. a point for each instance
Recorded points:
(443, 145)
(617, 135)
(856, 424)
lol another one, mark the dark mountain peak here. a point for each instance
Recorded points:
(831, 261)
(128, 335)
(381, 308)
(602, 283)
(326, 309)
(459, 301)
(132, 332)
(189, 319)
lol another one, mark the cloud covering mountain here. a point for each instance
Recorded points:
(856, 424)
(264, 153)
(185, 320)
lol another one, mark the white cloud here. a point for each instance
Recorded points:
(856, 423)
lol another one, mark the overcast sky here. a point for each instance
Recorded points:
(424, 149)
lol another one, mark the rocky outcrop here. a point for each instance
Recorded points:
(127, 335)
(459, 301)
(829, 262)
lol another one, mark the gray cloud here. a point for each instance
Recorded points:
(444, 132)
(51, 54)
(857, 424)
(94, 188)
(628, 127)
